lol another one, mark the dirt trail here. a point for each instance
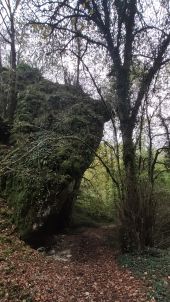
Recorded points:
(78, 267)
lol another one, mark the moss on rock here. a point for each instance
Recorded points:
(56, 129)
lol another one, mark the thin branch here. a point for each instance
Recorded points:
(147, 79)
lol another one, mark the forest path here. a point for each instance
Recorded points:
(79, 267)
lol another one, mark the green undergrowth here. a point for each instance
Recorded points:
(80, 218)
(154, 268)
(85, 216)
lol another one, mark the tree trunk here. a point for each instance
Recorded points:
(129, 207)
(13, 95)
(137, 212)
(0, 59)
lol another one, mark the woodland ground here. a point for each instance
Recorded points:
(80, 266)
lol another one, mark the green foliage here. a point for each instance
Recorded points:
(154, 267)
(98, 196)
(162, 195)
(99, 200)
(82, 217)
(27, 74)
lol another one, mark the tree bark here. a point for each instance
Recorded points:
(13, 94)
(0, 59)
(137, 213)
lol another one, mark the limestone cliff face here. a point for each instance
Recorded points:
(56, 131)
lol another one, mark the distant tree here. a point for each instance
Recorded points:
(8, 11)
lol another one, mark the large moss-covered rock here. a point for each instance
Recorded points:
(57, 128)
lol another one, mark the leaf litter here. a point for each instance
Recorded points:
(90, 274)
